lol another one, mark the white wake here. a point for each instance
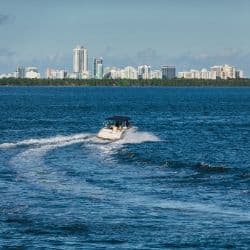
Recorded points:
(30, 166)
(43, 141)
(133, 136)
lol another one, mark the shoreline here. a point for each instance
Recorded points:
(18, 82)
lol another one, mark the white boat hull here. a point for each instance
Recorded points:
(111, 134)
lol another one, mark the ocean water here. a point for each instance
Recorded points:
(179, 179)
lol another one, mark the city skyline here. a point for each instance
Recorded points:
(188, 35)
(80, 70)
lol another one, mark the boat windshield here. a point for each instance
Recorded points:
(111, 123)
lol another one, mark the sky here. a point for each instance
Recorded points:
(190, 34)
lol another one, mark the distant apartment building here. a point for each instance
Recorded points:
(80, 62)
(196, 74)
(116, 73)
(215, 72)
(239, 74)
(7, 75)
(156, 74)
(32, 73)
(205, 74)
(98, 68)
(228, 72)
(144, 72)
(20, 72)
(71, 75)
(129, 73)
(168, 72)
(184, 74)
(224, 71)
(55, 74)
(112, 73)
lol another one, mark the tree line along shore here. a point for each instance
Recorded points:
(125, 82)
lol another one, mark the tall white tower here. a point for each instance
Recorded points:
(80, 60)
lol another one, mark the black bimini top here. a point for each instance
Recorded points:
(118, 118)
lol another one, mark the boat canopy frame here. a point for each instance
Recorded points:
(118, 118)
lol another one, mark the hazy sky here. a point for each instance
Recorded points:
(186, 33)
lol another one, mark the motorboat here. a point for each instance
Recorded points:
(114, 128)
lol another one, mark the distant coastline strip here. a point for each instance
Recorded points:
(126, 82)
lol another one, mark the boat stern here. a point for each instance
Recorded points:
(110, 134)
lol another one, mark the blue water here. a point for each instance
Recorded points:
(179, 179)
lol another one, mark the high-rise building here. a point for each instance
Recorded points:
(80, 60)
(20, 72)
(144, 72)
(239, 74)
(168, 72)
(98, 68)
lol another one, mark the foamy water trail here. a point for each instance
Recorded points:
(206, 208)
(44, 141)
(182, 206)
(133, 136)
(30, 165)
